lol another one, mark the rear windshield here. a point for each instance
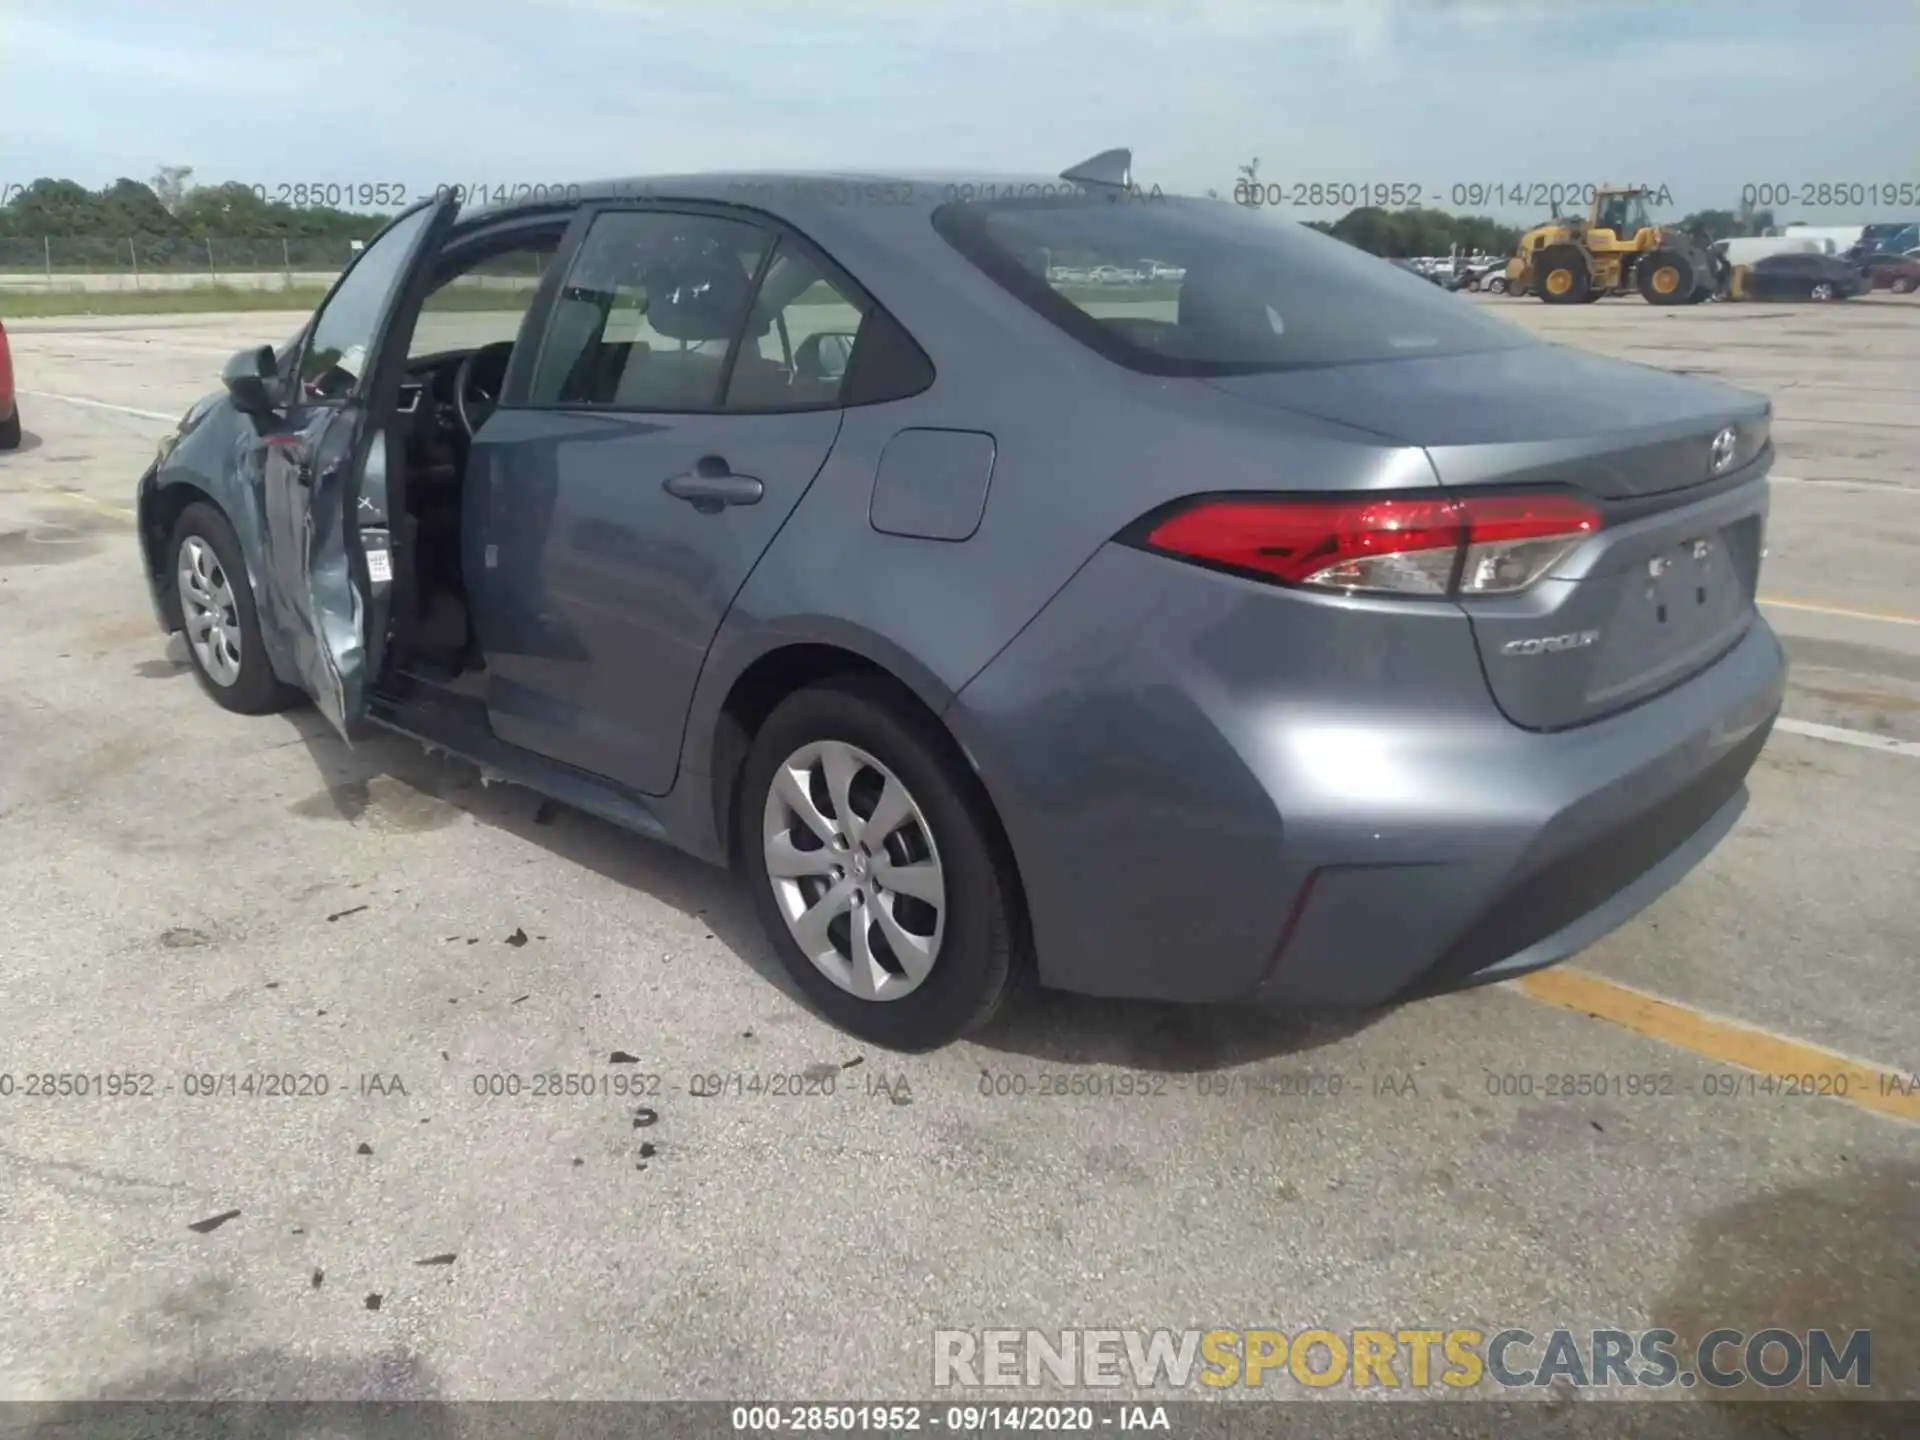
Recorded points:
(1203, 287)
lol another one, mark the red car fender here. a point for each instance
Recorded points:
(6, 371)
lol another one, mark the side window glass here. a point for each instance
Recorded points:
(485, 302)
(342, 334)
(799, 339)
(651, 306)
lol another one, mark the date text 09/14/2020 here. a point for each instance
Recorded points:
(1399, 194)
(385, 195)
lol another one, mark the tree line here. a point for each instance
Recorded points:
(169, 211)
(164, 215)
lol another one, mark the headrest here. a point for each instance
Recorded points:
(698, 298)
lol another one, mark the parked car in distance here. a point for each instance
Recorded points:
(1217, 647)
(1475, 274)
(1802, 277)
(1898, 273)
(1751, 249)
(10, 431)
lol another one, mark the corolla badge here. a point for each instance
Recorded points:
(1724, 446)
(1552, 644)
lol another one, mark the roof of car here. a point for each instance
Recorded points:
(787, 191)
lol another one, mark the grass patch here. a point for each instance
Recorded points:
(1118, 294)
(512, 296)
(201, 300)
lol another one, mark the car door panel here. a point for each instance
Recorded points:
(606, 553)
(323, 465)
(287, 466)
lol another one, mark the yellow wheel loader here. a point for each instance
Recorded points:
(1613, 249)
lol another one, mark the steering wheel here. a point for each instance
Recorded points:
(476, 384)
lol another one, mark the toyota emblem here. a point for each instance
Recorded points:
(1724, 445)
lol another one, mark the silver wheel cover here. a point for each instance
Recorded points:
(855, 870)
(208, 611)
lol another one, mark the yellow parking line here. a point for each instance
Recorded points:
(1886, 615)
(123, 512)
(1790, 1066)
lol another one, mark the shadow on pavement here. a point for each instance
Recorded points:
(1839, 1254)
(392, 781)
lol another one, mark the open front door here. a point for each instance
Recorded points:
(330, 461)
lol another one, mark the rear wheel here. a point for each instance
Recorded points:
(877, 868)
(1666, 277)
(1821, 291)
(218, 617)
(1565, 277)
(1494, 285)
(10, 430)
(1901, 286)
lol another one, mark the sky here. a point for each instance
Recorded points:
(1699, 96)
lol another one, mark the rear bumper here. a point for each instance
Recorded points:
(1575, 883)
(1216, 790)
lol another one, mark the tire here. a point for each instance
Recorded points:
(978, 929)
(1821, 291)
(10, 430)
(1564, 277)
(248, 687)
(1666, 277)
(1497, 285)
(1901, 286)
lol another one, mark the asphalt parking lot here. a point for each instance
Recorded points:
(189, 893)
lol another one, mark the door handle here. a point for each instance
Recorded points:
(711, 486)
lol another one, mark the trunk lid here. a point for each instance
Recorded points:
(1662, 590)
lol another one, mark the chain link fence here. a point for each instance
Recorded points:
(168, 262)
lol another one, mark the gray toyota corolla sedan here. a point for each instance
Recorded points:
(1011, 578)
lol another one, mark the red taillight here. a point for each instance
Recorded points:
(1473, 545)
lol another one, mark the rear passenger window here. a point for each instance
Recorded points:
(800, 338)
(659, 311)
(650, 308)
(815, 342)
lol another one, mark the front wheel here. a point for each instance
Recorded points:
(1902, 286)
(1821, 291)
(1666, 277)
(10, 430)
(877, 868)
(1565, 278)
(218, 617)
(1497, 285)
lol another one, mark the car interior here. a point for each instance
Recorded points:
(451, 386)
